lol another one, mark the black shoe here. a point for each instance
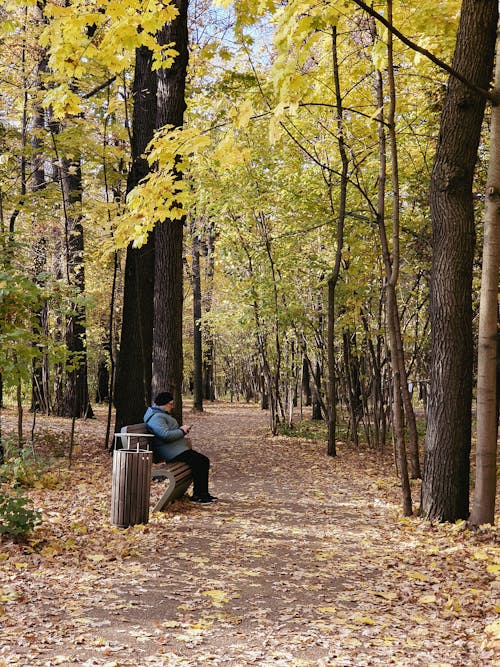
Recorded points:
(203, 499)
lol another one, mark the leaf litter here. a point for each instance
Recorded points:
(304, 561)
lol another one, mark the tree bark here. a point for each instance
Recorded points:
(197, 313)
(332, 281)
(132, 392)
(483, 508)
(76, 399)
(391, 258)
(207, 296)
(168, 295)
(445, 485)
(40, 389)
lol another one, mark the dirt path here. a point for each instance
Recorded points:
(297, 564)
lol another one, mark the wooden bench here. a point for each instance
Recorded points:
(177, 474)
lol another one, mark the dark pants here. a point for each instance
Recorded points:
(200, 465)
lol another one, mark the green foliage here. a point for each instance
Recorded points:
(22, 470)
(307, 429)
(17, 515)
(25, 468)
(19, 297)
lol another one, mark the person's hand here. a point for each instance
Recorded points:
(186, 428)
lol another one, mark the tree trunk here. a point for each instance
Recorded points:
(40, 389)
(306, 382)
(483, 508)
(132, 391)
(445, 485)
(317, 413)
(76, 399)
(168, 296)
(391, 257)
(209, 344)
(332, 281)
(197, 313)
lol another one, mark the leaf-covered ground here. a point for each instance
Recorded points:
(305, 560)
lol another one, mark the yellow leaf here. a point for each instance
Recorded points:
(202, 624)
(244, 115)
(365, 620)
(427, 599)
(97, 558)
(493, 569)
(418, 575)
(327, 610)
(21, 566)
(454, 605)
(385, 594)
(217, 596)
(493, 629)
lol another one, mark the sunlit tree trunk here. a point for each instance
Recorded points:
(483, 507)
(391, 257)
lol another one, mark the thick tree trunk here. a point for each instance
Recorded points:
(445, 487)
(168, 295)
(132, 391)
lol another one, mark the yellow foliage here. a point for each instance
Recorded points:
(120, 28)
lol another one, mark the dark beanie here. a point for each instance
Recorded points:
(163, 398)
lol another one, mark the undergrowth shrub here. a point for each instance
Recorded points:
(25, 469)
(50, 443)
(305, 428)
(30, 467)
(17, 515)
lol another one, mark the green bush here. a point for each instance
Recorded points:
(17, 516)
(23, 470)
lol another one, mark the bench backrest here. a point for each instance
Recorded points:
(135, 439)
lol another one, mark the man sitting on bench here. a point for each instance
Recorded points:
(170, 444)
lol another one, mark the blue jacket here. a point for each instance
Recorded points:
(169, 439)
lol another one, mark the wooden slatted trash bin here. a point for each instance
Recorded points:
(130, 486)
